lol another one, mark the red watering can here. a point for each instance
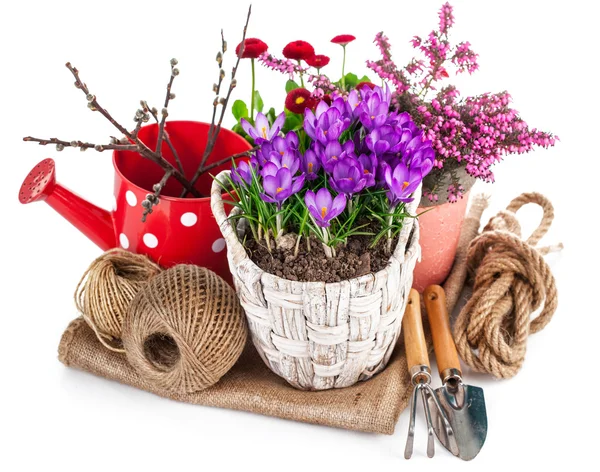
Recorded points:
(179, 230)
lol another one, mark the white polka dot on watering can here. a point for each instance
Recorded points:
(124, 241)
(218, 245)
(189, 219)
(150, 240)
(131, 198)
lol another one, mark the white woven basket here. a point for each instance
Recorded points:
(319, 335)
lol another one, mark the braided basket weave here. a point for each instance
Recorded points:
(319, 335)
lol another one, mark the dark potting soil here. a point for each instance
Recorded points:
(353, 260)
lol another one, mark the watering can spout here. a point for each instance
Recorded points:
(95, 222)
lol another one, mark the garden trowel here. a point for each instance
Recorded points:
(464, 405)
(417, 358)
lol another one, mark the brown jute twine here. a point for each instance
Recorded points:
(106, 290)
(184, 330)
(512, 281)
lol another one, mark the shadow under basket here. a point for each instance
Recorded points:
(319, 335)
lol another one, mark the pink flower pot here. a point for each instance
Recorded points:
(440, 230)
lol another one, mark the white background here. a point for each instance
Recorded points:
(54, 418)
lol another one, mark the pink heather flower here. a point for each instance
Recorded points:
(446, 18)
(476, 132)
(285, 66)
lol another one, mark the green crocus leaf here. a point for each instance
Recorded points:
(291, 85)
(271, 115)
(258, 102)
(239, 110)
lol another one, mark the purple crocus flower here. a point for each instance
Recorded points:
(375, 111)
(322, 207)
(291, 139)
(289, 160)
(310, 164)
(369, 163)
(242, 173)
(280, 185)
(261, 131)
(348, 177)
(330, 154)
(401, 183)
(326, 125)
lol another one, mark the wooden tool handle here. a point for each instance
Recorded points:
(443, 343)
(414, 338)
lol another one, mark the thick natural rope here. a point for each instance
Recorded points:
(512, 281)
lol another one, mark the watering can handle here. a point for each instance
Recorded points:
(414, 337)
(443, 343)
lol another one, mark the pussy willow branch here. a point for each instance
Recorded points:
(142, 149)
(154, 112)
(152, 198)
(214, 130)
(212, 165)
(61, 144)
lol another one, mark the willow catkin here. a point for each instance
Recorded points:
(184, 330)
(107, 288)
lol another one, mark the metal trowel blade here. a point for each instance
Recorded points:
(467, 416)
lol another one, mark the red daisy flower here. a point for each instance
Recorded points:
(327, 99)
(343, 39)
(299, 100)
(318, 61)
(253, 47)
(299, 50)
(360, 85)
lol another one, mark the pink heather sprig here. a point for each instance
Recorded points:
(446, 18)
(285, 66)
(322, 85)
(473, 132)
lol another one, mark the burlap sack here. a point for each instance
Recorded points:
(371, 406)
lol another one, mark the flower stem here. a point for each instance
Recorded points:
(253, 88)
(343, 70)
(279, 221)
(390, 221)
(301, 78)
(328, 250)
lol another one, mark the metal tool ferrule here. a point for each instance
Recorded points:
(420, 374)
(451, 377)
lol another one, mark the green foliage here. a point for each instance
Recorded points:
(239, 110)
(258, 102)
(291, 85)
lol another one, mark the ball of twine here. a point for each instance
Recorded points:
(512, 282)
(107, 288)
(184, 330)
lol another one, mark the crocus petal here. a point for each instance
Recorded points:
(284, 178)
(298, 183)
(261, 126)
(248, 128)
(309, 198)
(270, 184)
(338, 206)
(323, 199)
(277, 124)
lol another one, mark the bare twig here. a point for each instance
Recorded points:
(214, 130)
(154, 112)
(152, 198)
(61, 144)
(212, 165)
(142, 149)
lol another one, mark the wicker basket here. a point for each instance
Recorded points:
(320, 335)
